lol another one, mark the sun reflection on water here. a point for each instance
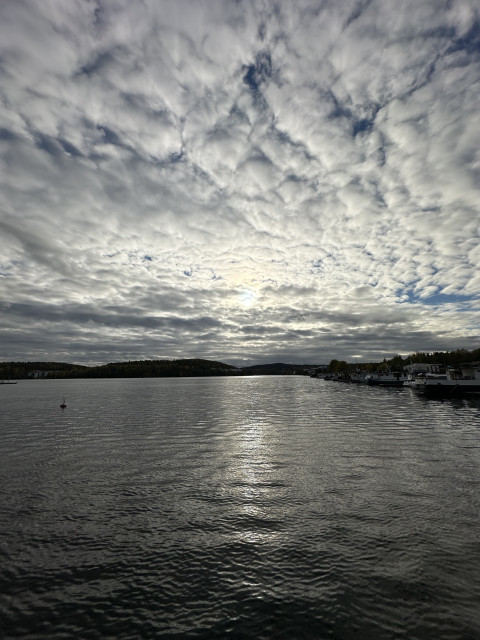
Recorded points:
(255, 483)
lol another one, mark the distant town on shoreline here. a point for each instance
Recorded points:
(199, 367)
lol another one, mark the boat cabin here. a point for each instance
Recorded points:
(466, 371)
(425, 367)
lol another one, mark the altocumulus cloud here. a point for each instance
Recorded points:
(244, 181)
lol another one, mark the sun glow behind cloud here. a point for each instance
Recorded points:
(248, 297)
(174, 173)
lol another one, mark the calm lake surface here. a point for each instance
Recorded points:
(259, 508)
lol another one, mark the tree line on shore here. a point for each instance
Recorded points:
(200, 367)
(130, 369)
(397, 363)
(144, 369)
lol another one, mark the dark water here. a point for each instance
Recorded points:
(263, 508)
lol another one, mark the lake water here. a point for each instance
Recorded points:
(249, 507)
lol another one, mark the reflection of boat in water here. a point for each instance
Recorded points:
(386, 378)
(456, 382)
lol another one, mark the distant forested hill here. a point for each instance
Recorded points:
(161, 368)
(130, 369)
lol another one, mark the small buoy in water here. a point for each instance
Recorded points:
(63, 405)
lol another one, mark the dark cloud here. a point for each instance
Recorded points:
(7, 135)
(469, 43)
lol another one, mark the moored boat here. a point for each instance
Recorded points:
(386, 378)
(421, 373)
(358, 377)
(457, 381)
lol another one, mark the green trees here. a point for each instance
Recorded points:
(398, 362)
(338, 366)
(443, 358)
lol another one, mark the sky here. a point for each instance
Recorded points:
(248, 181)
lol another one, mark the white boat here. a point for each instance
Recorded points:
(386, 378)
(421, 373)
(457, 381)
(357, 377)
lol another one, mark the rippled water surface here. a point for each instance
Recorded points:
(262, 507)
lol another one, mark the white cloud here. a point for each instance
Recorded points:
(238, 180)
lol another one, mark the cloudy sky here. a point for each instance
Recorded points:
(248, 181)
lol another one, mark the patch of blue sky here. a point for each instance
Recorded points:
(438, 299)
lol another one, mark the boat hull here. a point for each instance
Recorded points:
(386, 383)
(448, 389)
